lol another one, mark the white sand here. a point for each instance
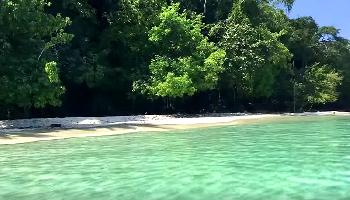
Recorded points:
(93, 122)
(31, 130)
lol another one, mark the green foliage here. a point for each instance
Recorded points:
(254, 55)
(217, 10)
(186, 61)
(323, 49)
(81, 60)
(223, 54)
(52, 72)
(28, 36)
(319, 86)
(173, 86)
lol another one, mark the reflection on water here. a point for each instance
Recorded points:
(303, 159)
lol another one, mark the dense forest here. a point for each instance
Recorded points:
(118, 57)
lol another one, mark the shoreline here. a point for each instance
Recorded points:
(15, 131)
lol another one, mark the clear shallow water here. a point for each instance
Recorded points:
(307, 158)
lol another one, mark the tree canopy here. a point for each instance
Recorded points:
(28, 39)
(110, 57)
(185, 61)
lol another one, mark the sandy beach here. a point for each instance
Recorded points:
(33, 130)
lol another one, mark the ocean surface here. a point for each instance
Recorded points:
(288, 159)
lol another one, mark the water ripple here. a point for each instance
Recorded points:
(299, 159)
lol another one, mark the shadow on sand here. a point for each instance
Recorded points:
(53, 132)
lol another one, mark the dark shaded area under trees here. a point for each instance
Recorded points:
(121, 57)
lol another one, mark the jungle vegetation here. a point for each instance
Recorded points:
(120, 57)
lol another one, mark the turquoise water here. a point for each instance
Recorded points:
(308, 158)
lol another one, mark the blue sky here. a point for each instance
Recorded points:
(326, 13)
